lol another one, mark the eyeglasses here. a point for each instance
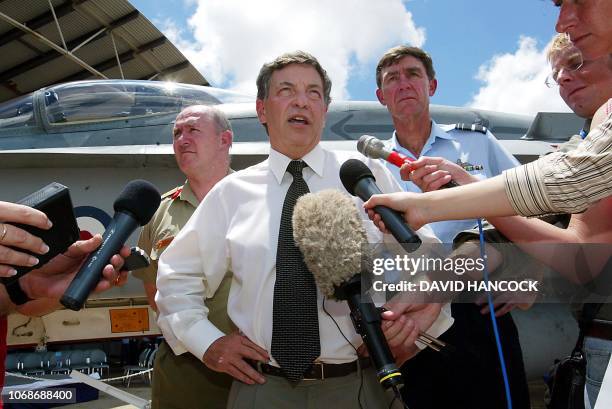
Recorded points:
(568, 63)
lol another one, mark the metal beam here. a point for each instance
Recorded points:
(117, 56)
(52, 54)
(44, 40)
(39, 21)
(166, 71)
(131, 16)
(57, 24)
(111, 62)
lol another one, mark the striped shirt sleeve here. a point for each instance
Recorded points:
(564, 182)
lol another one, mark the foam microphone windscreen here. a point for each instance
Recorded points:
(328, 230)
(140, 198)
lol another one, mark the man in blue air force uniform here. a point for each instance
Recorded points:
(470, 378)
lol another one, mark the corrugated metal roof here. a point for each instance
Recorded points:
(28, 63)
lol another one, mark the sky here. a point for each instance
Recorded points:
(488, 54)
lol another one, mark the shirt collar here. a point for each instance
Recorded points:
(436, 132)
(315, 159)
(188, 196)
(440, 131)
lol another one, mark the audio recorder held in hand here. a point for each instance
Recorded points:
(54, 201)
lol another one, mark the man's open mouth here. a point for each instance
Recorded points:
(298, 119)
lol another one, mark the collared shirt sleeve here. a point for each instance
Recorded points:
(564, 182)
(190, 270)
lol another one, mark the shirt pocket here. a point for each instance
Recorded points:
(161, 244)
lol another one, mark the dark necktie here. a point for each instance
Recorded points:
(295, 322)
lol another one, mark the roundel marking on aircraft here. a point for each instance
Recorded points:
(91, 220)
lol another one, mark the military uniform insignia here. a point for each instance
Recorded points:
(468, 167)
(173, 194)
(163, 243)
(176, 193)
(471, 127)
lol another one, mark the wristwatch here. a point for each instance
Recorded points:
(16, 293)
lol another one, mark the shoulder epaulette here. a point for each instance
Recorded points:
(173, 194)
(471, 127)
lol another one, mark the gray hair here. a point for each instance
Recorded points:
(219, 118)
(296, 57)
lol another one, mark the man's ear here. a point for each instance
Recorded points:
(226, 138)
(433, 86)
(380, 96)
(261, 111)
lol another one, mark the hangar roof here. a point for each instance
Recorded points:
(53, 41)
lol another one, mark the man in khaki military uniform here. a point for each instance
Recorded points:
(202, 137)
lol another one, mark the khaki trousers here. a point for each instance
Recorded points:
(335, 393)
(184, 382)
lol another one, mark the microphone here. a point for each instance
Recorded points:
(359, 181)
(133, 208)
(329, 232)
(374, 148)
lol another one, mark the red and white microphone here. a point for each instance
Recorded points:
(374, 148)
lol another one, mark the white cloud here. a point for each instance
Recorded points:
(515, 82)
(233, 38)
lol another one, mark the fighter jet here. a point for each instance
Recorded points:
(95, 136)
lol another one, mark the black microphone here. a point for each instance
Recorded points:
(330, 234)
(133, 208)
(359, 181)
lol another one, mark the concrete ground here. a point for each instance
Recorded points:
(108, 402)
(105, 401)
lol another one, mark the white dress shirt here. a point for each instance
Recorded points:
(236, 228)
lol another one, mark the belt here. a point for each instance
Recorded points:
(318, 371)
(599, 330)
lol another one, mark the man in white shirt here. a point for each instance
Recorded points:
(237, 228)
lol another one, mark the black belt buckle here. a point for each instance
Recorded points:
(314, 365)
